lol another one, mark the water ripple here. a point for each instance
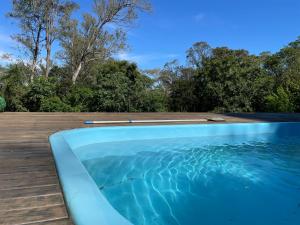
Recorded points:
(181, 182)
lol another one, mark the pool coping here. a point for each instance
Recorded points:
(85, 202)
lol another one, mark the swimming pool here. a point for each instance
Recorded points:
(181, 174)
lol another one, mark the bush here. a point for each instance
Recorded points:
(2, 104)
(279, 101)
(80, 97)
(40, 89)
(154, 101)
(14, 87)
(55, 104)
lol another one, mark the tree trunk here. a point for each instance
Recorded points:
(48, 63)
(48, 56)
(49, 41)
(33, 65)
(35, 54)
(76, 73)
(32, 72)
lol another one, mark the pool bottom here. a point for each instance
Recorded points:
(228, 180)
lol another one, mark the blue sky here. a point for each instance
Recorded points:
(173, 26)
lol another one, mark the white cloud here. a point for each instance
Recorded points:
(129, 57)
(199, 17)
(6, 42)
(7, 58)
(142, 58)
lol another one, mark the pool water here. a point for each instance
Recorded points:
(221, 180)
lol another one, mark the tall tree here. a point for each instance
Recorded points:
(226, 81)
(54, 11)
(198, 53)
(30, 17)
(92, 40)
(169, 74)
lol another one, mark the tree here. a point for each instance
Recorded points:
(30, 17)
(279, 101)
(198, 53)
(55, 104)
(54, 11)
(284, 66)
(39, 90)
(169, 74)
(119, 87)
(225, 84)
(91, 40)
(38, 20)
(15, 86)
(182, 97)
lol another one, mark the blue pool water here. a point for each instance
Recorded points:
(217, 180)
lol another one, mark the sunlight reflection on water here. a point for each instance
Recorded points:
(185, 181)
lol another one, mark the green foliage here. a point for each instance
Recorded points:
(216, 79)
(182, 96)
(89, 39)
(2, 104)
(262, 87)
(227, 80)
(40, 89)
(154, 101)
(14, 87)
(279, 101)
(55, 104)
(113, 86)
(120, 87)
(80, 98)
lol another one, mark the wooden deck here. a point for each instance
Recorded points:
(29, 187)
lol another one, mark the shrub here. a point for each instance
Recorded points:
(2, 104)
(154, 101)
(279, 101)
(14, 87)
(38, 90)
(80, 97)
(55, 104)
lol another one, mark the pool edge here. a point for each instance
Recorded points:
(85, 202)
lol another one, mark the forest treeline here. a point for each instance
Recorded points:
(69, 66)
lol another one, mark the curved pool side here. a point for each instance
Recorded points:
(85, 202)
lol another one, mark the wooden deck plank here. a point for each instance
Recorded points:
(19, 203)
(29, 187)
(29, 215)
(30, 191)
(56, 222)
(25, 169)
(9, 163)
(22, 183)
